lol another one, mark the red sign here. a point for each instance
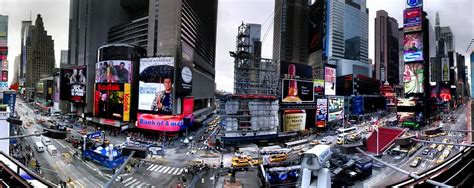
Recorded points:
(4, 76)
(109, 87)
(167, 123)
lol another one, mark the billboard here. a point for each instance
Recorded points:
(77, 81)
(321, 112)
(9, 98)
(185, 75)
(297, 91)
(445, 94)
(296, 71)
(316, 27)
(155, 86)
(4, 76)
(445, 69)
(112, 101)
(336, 108)
(56, 89)
(294, 120)
(330, 81)
(40, 87)
(167, 123)
(413, 47)
(113, 71)
(413, 78)
(406, 101)
(64, 86)
(412, 19)
(414, 3)
(406, 116)
(318, 87)
(358, 105)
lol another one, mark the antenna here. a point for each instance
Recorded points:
(30, 15)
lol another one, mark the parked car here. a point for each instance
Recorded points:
(278, 158)
(441, 159)
(426, 151)
(415, 162)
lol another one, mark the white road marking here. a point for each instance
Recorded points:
(156, 168)
(170, 170)
(134, 184)
(179, 172)
(161, 167)
(128, 179)
(151, 166)
(141, 184)
(161, 171)
(129, 183)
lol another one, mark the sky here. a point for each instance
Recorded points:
(457, 14)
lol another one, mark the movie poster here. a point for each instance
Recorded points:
(413, 78)
(77, 81)
(321, 112)
(113, 71)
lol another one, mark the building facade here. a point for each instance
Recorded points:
(386, 48)
(40, 55)
(290, 31)
(4, 51)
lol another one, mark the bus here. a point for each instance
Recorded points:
(346, 130)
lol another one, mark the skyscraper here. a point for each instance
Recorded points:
(347, 37)
(40, 59)
(290, 31)
(25, 46)
(164, 27)
(386, 48)
(64, 57)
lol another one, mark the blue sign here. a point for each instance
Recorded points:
(358, 105)
(94, 134)
(9, 98)
(414, 3)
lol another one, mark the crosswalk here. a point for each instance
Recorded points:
(165, 169)
(132, 182)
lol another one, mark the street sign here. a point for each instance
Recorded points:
(94, 135)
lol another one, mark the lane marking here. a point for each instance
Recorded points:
(128, 179)
(161, 167)
(129, 183)
(161, 171)
(180, 171)
(141, 184)
(134, 184)
(150, 167)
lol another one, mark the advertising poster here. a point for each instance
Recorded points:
(9, 98)
(406, 101)
(113, 71)
(297, 91)
(4, 76)
(413, 78)
(330, 81)
(358, 105)
(65, 87)
(167, 123)
(77, 81)
(296, 71)
(413, 47)
(412, 19)
(185, 76)
(336, 108)
(155, 87)
(321, 112)
(112, 101)
(318, 87)
(294, 120)
(445, 69)
(406, 116)
(445, 94)
(56, 88)
(40, 87)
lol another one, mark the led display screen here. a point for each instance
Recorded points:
(413, 78)
(112, 101)
(336, 108)
(321, 112)
(113, 71)
(330, 81)
(413, 47)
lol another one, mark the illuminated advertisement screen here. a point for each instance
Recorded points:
(155, 86)
(318, 87)
(295, 71)
(297, 91)
(77, 81)
(56, 89)
(413, 78)
(4, 76)
(167, 123)
(358, 105)
(330, 81)
(336, 108)
(65, 91)
(445, 94)
(406, 101)
(40, 87)
(414, 3)
(445, 69)
(113, 71)
(294, 120)
(412, 19)
(406, 116)
(321, 112)
(112, 101)
(413, 47)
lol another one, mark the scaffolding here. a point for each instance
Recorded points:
(252, 74)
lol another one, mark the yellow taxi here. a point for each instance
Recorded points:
(314, 142)
(441, 159)
(278, 158)
(433, 146)
(450, 146)
(445, 140)
(255, 162)
(442, 134)
(339, 141)
(240, 162)
(440, 147)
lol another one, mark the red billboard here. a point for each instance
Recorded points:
(167, 123)
(112, 101)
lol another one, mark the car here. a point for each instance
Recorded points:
(433, 146)
(450, 146)
(415, 162)
(324, 141)
(278, 158)
(255, 162)
(314, 142)
(440, 147)
(201, 138)
(445, 140)
(210, 128)
(240, 162)
(446, 152)
(426, 151)
(441, 159)
(442, 134)
(82, 131)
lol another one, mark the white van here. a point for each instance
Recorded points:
(39, 147)
(46, 141)
(52, 150)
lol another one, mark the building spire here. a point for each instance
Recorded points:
(437, 19)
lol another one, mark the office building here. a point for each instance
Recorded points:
(64, 57)
(163, 28)
(16, 71)
(386, 48)
(40, 55)
(290, 31)
(25, 50)
(317, 55)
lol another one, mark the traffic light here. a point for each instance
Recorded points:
(139, 152)
(14, 121)
(57, 134)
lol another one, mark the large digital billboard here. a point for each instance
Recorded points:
(318, 87)
(412, 19)
(413, 78)
(167, 123)
(321, 112)
(336, 108)
(184, 78)
(155, 86)
(413, 47)
(297, 91)
(77, 82)
(406, 116)
(414, 3)
(112, 101)
(294, 120)
(113, 71)
(296, 71)
(65, 87)
(358, 105)
(330, 81)
(445, 69)
(411, 101)
(56, 88)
